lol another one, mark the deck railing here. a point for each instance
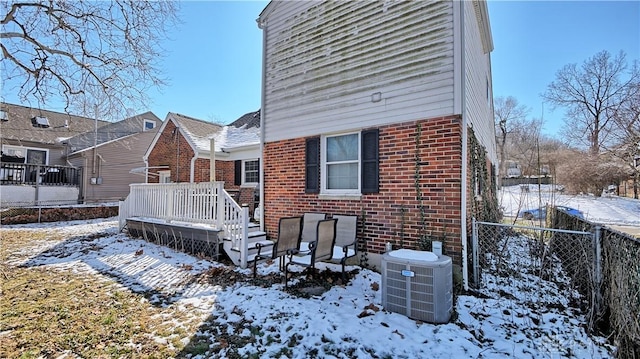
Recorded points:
(12, 173)
(205, 202)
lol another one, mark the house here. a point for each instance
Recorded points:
(109, 154)
(202, 186)
(34, 167)
(513, 169)
(58, 158)
(181, 152)
(383, 110)
(40, 136)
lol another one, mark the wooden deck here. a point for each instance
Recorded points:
(193, 238)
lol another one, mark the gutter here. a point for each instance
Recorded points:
(192, 170)
(146, 170)
(262, 25)
(465, 139)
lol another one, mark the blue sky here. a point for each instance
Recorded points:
(214, 62)
(535, 39)
(214, 58)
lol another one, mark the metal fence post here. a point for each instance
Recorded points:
(36, 200)
(597, 267)
(474, 253)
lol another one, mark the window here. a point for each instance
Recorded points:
(32, 155)
(37, 157)
(342, 164)
(251, 171)
(149, 125)
(40, 122)
(247, 172)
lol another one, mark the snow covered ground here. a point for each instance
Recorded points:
(607, 210)
(511, 319)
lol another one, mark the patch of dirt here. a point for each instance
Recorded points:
(308, 284)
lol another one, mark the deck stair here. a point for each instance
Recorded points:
(255, 235)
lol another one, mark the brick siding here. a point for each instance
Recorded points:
(392, 215)
(172, 150)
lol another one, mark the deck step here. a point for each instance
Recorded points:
(252, 245)
(254, 236)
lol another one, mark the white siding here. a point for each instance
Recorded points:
(324, 60)
(478, 88)
(114, 160)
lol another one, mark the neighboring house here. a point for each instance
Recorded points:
(109, 154)
(513, 169)
(34, 168)
(181, 152)
(40, 136)
(47, 152)
(379, 109)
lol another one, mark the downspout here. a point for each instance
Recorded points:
(262, 25)
(192, 170)
(146, 169)
(95, 140)
(463, 194)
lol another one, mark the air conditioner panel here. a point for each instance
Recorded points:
(422, 290)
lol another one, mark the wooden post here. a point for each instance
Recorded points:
(244, 245)
(212, 160)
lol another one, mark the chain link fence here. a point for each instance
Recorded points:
(618, 311)
(597, 270)
(535, 257)
(54, 211)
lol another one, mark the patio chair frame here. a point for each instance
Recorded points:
(325, 241)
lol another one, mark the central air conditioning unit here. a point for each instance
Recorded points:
(418, 284)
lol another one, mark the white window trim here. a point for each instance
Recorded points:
(244, 173)
(324, 191)
(5, 149)
(144, 125)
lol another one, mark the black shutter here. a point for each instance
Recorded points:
(312, 165)
(237, 179)
(369, 164)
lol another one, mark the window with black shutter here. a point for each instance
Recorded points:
(251, 171)
(343, 164)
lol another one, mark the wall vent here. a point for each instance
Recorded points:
(418, 284)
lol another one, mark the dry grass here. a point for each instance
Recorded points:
(50, 313)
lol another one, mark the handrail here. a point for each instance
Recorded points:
(235, 222)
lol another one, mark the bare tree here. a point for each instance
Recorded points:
(591, 94)
(588, 173)
(551, 154)
(523, 146)
(81, 50)
(627, 137)
(508, 116)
